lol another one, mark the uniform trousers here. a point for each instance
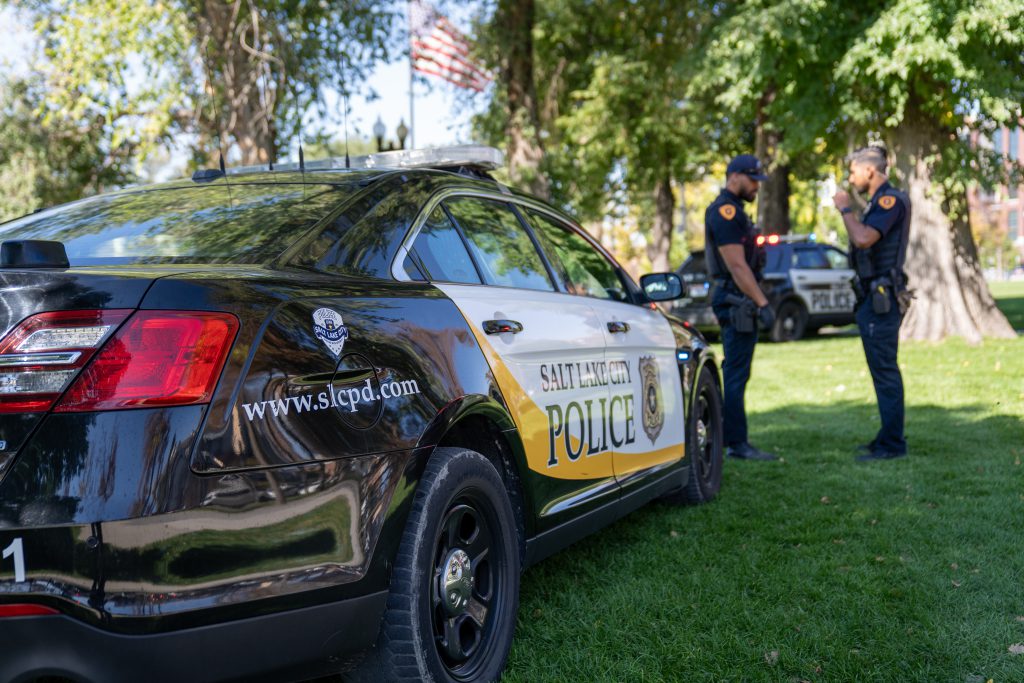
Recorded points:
(880, 334)
(739, 354)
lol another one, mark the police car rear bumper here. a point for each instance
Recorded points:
(317, 640)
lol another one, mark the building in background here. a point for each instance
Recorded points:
(998, 216)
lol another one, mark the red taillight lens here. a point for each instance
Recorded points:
(773, 239)
(26, 611)
(760, 240)
(158, 358)
(43, 354)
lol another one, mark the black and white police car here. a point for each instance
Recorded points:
(809, 284)
(276, 424)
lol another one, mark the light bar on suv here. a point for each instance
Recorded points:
(474, 156)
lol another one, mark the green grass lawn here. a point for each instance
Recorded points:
(816, 568)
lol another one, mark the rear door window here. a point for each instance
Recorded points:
(500, 245)
(837, 259)
(441, 251)
(809, 258)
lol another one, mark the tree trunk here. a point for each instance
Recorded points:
(951, 295)
(525, 152)
(239, 85)
(773, 202)
(773, 198)
(660, 241)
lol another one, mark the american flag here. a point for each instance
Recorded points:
(439, 49)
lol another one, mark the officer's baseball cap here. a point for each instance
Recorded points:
(747, 164)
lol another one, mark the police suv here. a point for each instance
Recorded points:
(280, 423)
(808, 284)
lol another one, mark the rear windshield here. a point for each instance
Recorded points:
(212, 224)
(694, 264)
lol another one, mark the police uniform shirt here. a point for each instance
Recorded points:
(886, 213)
(727, 223)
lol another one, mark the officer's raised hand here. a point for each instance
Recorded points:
(841, 199)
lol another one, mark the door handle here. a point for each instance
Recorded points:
(499, 326)
(615, 327)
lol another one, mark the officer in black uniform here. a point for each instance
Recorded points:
(734, 263)
(878, 249)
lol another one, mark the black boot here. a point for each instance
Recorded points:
(745, 451)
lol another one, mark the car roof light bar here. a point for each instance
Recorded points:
(472, 156)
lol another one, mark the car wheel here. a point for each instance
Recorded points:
(451, 609)
(790, 322)
(705, 443)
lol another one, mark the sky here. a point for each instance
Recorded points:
(442, 111)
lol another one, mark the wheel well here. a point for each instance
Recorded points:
(480, 434)
(794, 299)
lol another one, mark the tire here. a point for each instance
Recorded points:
(461, 511)
(790, 322)
(705, 443)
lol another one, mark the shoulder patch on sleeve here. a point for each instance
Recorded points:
(728, 211)
(887, 202)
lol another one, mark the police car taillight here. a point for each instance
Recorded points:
(23, 610)
(42, 355)
(157, 358)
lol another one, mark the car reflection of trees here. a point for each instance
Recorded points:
(246, 223)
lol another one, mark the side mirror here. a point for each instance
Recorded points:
(662, 286)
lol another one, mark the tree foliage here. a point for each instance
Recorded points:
(52, 159)
(236, 74)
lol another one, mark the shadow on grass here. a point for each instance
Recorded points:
(1013, 309)
(806, 430)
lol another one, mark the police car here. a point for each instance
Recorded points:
(808, 284)
(695, 304)
(273, 424)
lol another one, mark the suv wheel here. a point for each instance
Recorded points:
(790, 322)
(705, 444)
(451, 609)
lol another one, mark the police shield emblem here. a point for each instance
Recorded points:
(652, 409)
(887, 202)
(728, 211)
(329, 328)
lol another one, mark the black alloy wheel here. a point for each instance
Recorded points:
(705, 443)
(455, 587)
(790, 322)
(465, 587)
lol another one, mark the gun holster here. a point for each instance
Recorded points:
(903, 299)
(742, 313)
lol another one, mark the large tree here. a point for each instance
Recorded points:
(46, 164)
(918, 75)
(763, 78)
(238, 75)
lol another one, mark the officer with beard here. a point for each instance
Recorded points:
(734, 265)
(878, 250)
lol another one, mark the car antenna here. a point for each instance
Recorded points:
(344, 111)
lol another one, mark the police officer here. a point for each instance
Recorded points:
(878, 248)
(734, 264)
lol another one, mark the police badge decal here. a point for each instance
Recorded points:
(329, 328)
(651, 405)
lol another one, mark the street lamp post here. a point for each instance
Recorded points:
(378, 132)
(403, 132)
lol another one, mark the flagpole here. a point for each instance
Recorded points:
(412, 105)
